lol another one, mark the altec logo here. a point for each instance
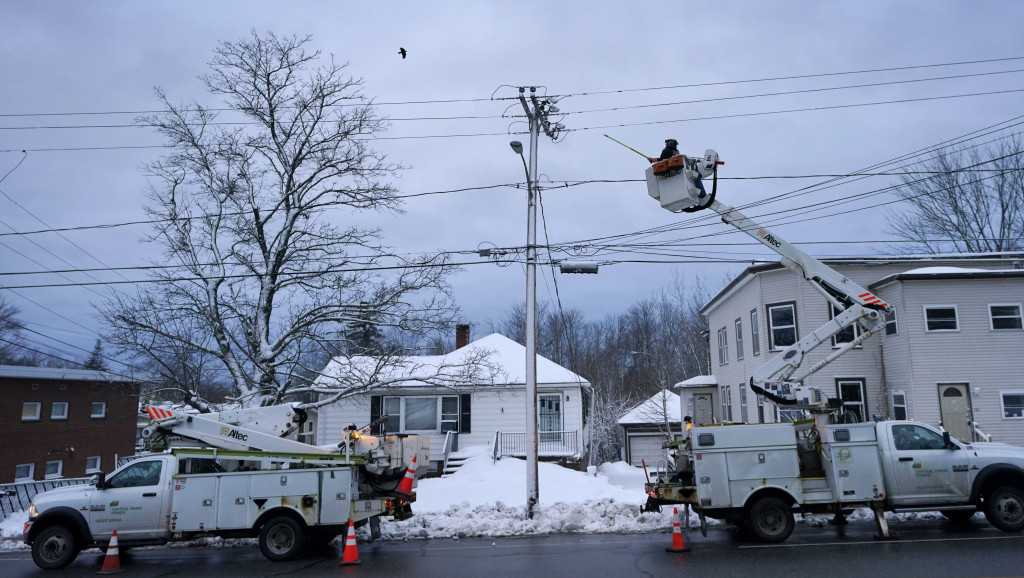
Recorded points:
(233, 433)
(768, 238)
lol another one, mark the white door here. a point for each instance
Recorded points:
(550, 408)
(132, 503)
(956, 410)
(703, 409)
(927, 472)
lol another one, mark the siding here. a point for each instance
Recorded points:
(912, 361)
(492, 410)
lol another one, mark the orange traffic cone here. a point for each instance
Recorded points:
(677, 534)
(350, 556)
(112, 561)
(405, 487)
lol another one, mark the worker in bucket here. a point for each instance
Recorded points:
(671, 149)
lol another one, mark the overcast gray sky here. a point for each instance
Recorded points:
(101, 60)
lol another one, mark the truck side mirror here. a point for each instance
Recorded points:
(101, 481)
(946, 442)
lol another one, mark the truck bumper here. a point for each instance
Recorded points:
(667, 494)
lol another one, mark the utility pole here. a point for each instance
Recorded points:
(538, 117)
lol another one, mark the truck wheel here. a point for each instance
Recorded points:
(54, 548)
(281, 539)
(770, 520)
(1004, 508)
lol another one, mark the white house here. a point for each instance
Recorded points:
(478, 414)
(648, 425)
(952, 355)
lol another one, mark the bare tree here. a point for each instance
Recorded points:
(10, 328)
(247, 211)
(975, 204)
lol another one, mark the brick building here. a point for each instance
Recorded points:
(63, 423)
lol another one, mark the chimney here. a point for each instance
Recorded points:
(461, 336)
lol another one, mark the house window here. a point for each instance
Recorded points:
(92, 464)
(848, 334)
(739, 339)
(940, 318)
(24, 472)
(723, 346)
(30, 411)
(890, 323)
(755, 334)
(760, 409)
(54, 469)
(1005, 316)
(99, 409)
(449, 413)
(743, 403)
(306, 434)
(59, 410)
(899, 405)
(421, 413)
(851, 392)
(727, 403)
(393, 409)
(781, 325)
(1013, 404)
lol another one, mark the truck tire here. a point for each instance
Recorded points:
(1004, 508)
(55, 547)
(281, 538)
(770, 520)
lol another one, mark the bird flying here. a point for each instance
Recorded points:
(402, 52)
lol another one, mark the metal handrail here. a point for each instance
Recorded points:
(18, 496)
(448, 438)
(559, 443)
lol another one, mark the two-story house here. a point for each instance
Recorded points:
(951, 355)
(64, 423)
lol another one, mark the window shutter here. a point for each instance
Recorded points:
(464, 413)
(375, 403)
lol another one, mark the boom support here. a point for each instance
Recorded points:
(684, 191)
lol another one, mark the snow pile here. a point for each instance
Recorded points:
(10, 531)
(485, 499)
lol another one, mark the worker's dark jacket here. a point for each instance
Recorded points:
(669, 152)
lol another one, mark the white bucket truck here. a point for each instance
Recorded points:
(231, 474)
(758, 476)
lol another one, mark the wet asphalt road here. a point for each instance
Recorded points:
(926, 548)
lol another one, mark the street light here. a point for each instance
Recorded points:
(532, 485)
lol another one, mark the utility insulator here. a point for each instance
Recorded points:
(578, 266)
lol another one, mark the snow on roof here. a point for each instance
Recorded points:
(698, 381)
(654, 410)
(503, 354)
(60, 373)
(944, 270)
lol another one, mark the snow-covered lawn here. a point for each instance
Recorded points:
(488, 499)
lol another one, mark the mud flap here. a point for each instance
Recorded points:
(652, 505)
(374, 528)
(703, 524)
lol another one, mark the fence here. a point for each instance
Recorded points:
(549, 443)
(17, 497)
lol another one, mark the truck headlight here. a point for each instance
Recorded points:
(33, 513)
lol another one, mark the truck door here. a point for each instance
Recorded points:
(925, 471)
(132, 503)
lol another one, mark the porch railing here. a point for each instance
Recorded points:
(18, 496)
(549, 443)
(449, 443)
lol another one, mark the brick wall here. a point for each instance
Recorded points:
(72, 440)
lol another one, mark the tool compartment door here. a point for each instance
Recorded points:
(338, 489)
(194, 508)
